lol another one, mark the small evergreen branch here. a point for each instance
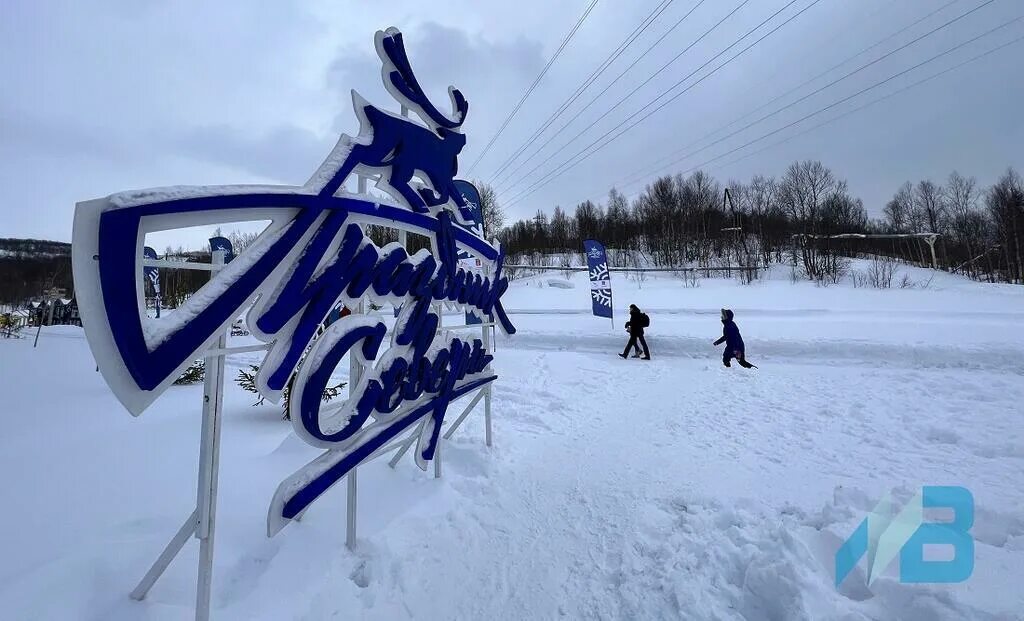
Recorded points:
(195, 373)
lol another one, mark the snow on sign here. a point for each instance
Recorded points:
(313, 256)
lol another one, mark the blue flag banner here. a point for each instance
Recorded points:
(222, 243)
(474, 208)
(600, 278)
(152, 274)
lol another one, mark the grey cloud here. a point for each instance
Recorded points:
(285, 153)
(486, 72)
(121, 94)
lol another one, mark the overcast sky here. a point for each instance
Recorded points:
(111, 95)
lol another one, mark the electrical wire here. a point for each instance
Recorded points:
(628, 95)
(861, 92)
(622, 73)
(570, 163)
(533, 86)
(607, 62)
(875, 101)
(836, 81)
(643, 171)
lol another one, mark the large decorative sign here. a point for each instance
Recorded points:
(313, 257)
(600, 278)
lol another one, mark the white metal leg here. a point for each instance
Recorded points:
(354, 375)
(350, 533)
(487, 392)
(487, 415)
(405, 445)
(209, 469)
(437, 459)
(204, 587)
(203, 518)
(173, 547)
(469, 408)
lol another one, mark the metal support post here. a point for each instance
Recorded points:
(487, 392)
(354, 374)
(203, 518)
(350, 528)
(437, 459)
(465, 413)
(209, 466)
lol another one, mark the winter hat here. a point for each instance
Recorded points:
(727, 314)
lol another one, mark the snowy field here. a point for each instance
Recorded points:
(615, 489)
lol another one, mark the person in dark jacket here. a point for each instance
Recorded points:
(635, 325)
(734, 347)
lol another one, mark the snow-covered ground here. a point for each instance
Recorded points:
(616, 489)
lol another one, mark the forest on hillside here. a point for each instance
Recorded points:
(28, 267)
(697, 221)
(691, 221)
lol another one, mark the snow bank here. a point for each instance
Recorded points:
(616, 489)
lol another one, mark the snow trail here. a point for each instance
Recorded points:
(616, 489)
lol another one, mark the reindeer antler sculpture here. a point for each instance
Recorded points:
(398, 72)
(399, 148)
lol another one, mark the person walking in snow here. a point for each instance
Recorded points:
(638, 320)
(733, 342)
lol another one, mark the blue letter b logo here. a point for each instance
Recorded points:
(913, 566)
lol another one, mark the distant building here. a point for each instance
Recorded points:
(54, 312)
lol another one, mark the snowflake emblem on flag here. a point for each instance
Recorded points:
(600, 272)
(602, 296)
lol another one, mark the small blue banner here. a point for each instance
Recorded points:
(600, 278)
(152, 274)
(222, 243)
(475, 208)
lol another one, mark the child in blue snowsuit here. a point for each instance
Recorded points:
(733, 342)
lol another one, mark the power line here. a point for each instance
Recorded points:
(628, 95)
(558, 172)
(643, 172)
(834, 82)
(536, 81)
(862, 91)
(607, 62)
(619, 77)
(569, 163)
(875, 101)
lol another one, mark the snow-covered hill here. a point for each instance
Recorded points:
(617, 489)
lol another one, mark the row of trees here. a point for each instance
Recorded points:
(695, 221)
(687, 221)
(31, 267)
(178, 285)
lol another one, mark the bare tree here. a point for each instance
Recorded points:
(802, 192)
(559, 230)
(961, 200)
(682, 221)
(493, 212)
(898, 209)
(818, 203)
(928, 202)
(1006, 205)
